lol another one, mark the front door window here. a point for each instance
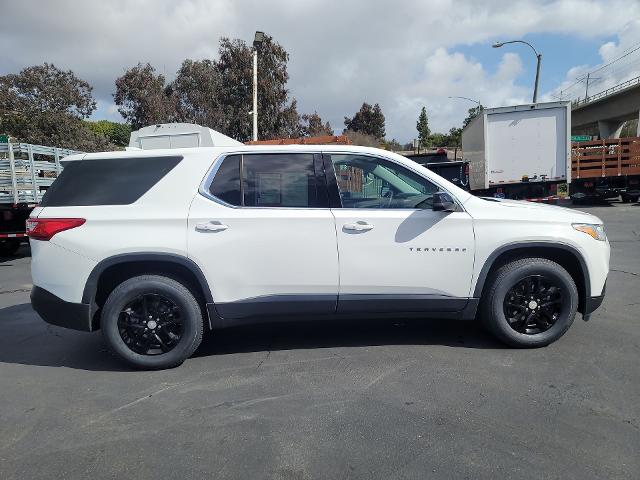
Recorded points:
(369, 182)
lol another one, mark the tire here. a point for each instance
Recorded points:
(9, 246)
(625, 198)
(552, 310)
(137, 338)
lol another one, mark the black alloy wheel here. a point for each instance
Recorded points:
(529, 302)
(151, 324)
(534, 304)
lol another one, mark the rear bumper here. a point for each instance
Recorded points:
(592, 304)
(56, 311)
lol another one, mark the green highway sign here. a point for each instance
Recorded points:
(4, 138)
(581, 138)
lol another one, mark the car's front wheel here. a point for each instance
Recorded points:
(152, 322)
(530, 302)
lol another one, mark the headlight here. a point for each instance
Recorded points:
(596, 231)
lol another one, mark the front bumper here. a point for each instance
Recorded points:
(591, 304)
(56, 311)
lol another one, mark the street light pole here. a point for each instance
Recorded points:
(255, 95)
(467, 98)
(257, 41)
(539, 60)
(535, 88)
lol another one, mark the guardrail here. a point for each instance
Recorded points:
(609, 91)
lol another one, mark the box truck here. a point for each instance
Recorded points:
(519, 152)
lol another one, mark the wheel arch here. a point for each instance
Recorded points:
(112, 271)
(565, 255)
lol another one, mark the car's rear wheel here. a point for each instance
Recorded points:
(530, 302)
(152, 322)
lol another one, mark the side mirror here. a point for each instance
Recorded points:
(442, 202)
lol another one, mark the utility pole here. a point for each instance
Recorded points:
(586, 91)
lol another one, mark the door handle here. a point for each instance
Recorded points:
(358, 226)
(212, 226)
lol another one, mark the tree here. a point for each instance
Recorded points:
(471, 114)
(196, 93)
(362, 139)
(277, 115)
(454, 137)
(368, 120)
(392, 145)
(45, 88)
(45, 105)
(117, 133)
(142, 97)
(422, 125)
(314, 127)
(437, 140)
(217, 94)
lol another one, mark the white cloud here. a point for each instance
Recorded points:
(400, 54)
(453, 74)
(614, 68)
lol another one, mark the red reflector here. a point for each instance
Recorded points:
(45, 228)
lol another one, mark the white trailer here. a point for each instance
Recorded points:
(522, 151)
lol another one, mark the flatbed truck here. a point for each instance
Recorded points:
(26, 171)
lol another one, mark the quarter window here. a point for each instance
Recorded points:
(369, 182)
(267, 180)
(226, 184)
(108, 181)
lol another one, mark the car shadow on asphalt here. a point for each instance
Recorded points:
(26, 339)
(346, 333)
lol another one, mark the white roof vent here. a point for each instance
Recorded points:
(178, 135)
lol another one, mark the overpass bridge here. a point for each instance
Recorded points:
(606, 111)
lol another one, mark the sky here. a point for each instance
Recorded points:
(400, 54)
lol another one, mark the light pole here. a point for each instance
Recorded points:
(470, 99)
(257, 41)
(538, 56)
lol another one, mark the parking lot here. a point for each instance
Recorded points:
(405, 399)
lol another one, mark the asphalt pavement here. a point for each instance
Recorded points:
(368, 399)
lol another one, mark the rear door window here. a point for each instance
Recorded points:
(109, 181)
(279, 180)
(269, 180)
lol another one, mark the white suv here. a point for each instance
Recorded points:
(154, 246)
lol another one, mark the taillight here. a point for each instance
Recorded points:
(45, 228)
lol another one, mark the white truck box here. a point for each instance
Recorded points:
(177, 135)
(520, 144)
